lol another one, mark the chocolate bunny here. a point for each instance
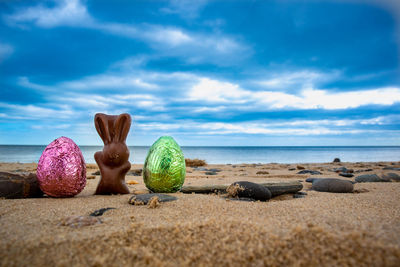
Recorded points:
(113, 160)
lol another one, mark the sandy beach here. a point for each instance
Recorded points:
(360, 229)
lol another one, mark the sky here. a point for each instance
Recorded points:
(208, 73)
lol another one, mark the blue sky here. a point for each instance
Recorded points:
(269, 73)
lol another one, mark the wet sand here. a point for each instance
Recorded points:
(321, 229)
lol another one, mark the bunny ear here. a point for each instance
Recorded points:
(101, 123)
(122, 126)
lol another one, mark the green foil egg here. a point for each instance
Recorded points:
(164, 169)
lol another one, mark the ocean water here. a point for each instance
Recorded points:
(233, 155)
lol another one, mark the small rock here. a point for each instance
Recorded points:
(298, 196)
(391, 176)
(341, 169)
(299, 167)
(333, 185)
(135, 172)
(369, 178)
(214, 170)
(309, 172)
(144, 199)
(311, 180)
(21, 185)
(336, 160)
(80, 221)
(292, 169)
(90, 177)
(96, 173)
(244, 189)
(364, 170)
(345, 174)
(100, 212)
(391, 168)
(262, 172)
(210, 173)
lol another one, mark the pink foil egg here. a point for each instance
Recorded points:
(61, 170)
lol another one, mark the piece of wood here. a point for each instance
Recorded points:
(19, 185)
(276, 188)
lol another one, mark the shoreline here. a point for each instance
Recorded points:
(320, 229)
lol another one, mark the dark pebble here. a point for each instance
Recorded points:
(210, 173)
(336, 160)
(345, 174)
(137, 172)
(100, 212)
(311, 180)
(369, 178)
(364, 170)
(244, 189)
(144, 199)
(21, 185)
(341, 169)
(333, 185)
(292, 169)
(96, 173)
(298, 196)
(391, 176)
(309, 172)
(391, 168)
(214, 170)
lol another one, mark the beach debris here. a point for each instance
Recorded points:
(90, 177)
(61, 170)
(364, 170)
(195, 162)
(276, 188)
(96, 173)
(299, 167)
(80, 221)
(336, 160)
(391, 176)
(391, 168)
(346, 174)
(332, 185)
(262, 172)
(144, 199)
(244, 189)
(132, 182)
(300, 194)
(164, 169)
(153, 203)
(309, 172)
(21, 185)
(135, 172)
(100, 212)
(369, 178)
(113, 160)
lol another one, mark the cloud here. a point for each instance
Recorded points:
(65, 12)
(185, 8)
(214, 91)
(34, 112)
(5, 51)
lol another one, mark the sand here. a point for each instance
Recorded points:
(207, 230)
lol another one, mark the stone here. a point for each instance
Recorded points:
(96, 173)
(262, 172)
(292, 169)
(364, 170)
(21, 185)
(309, 172)
(341, 169)
(144, 199)
(100, 212)
(369, 178)
(214, 170)
(345, 174)
(336, 160)
(311, 180)
(210, 173)
(391, 168)
(299, 167)
(391, 176)
(333, 185)
(244, 189)
(136, 172)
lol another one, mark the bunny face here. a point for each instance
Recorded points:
(115, 154)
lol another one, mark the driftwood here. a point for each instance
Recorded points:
(277, 188)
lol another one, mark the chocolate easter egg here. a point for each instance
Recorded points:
(61, 170)
(164, 169)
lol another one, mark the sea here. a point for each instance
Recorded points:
(230, 154)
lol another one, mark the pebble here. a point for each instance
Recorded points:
(244, 189)
(391, 176)
(292, 169)
(144, 199)
(369, 178)
(309, 172)
(100, 212)
(136, 172)
(311, 180)
(96, 173)
(336, 160)
(262, 172)
(341, 169)
(364, 170)
(391, 168)
(299, 167)
(21, 185)
(333, 185)
(90, 177)
(210, 173)
(345, 174)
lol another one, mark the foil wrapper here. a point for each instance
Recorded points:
(164, 169)
(61, 169)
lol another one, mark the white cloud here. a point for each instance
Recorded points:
(214, 91)
(65, 12)
(185, 8)
(32, 112)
